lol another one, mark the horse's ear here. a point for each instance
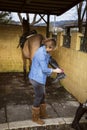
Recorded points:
(43, 41)
(47, 39)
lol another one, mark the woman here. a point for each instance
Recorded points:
(38, 74)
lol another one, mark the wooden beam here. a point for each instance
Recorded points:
(47, 29)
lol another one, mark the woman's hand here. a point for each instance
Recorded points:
(57, 70)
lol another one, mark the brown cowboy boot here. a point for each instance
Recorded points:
(43, 113)
(36, 115)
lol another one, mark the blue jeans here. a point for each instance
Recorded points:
(39, 90)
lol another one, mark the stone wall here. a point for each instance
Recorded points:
(74, 63)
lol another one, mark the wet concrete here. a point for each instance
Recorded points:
(16, 99)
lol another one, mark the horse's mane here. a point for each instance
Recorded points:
(24, 36)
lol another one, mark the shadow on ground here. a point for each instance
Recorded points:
(13, 89)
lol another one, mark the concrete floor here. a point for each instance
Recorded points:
(16, 99)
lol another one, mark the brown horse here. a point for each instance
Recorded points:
(29, 46)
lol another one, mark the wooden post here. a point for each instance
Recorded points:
(75, 40)
(47, 29)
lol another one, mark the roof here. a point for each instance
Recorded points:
(51, 7)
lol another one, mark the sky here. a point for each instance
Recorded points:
(69, 15)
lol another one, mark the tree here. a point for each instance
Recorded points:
(5, 17)
(82, 15)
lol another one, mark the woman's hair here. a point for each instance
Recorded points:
(52, 40)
